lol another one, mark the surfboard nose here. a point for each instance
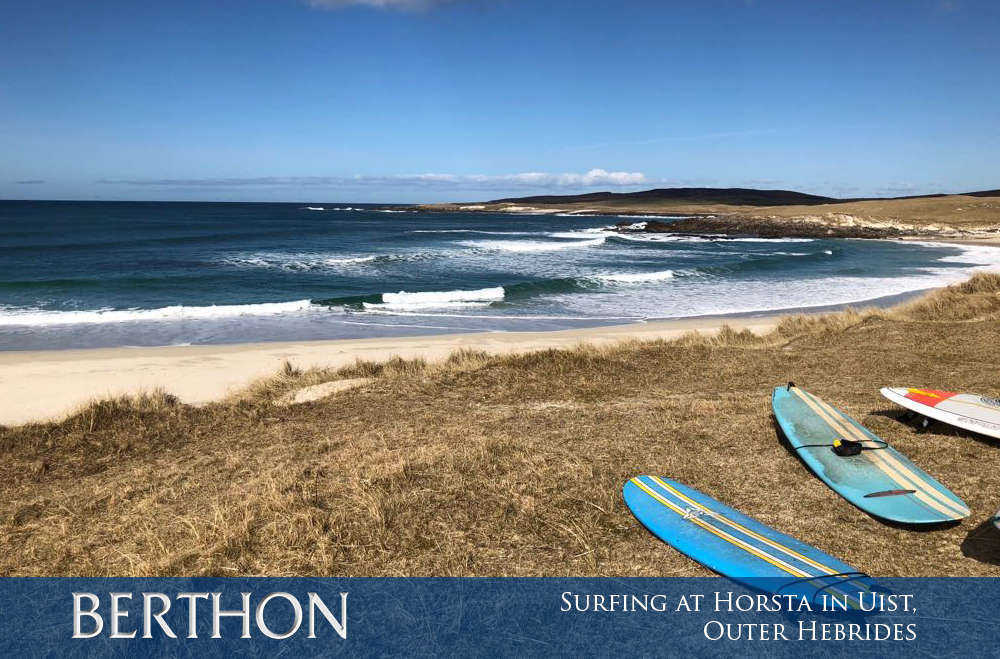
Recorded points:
(899, 391)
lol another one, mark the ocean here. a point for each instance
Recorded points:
(100, 274)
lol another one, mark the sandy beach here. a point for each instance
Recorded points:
(47, 385)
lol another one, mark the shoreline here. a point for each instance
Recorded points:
(48, 385)
(981, 241)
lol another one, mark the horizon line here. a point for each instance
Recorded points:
(530, 196)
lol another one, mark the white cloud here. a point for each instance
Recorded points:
(537, 179)
(532, 180)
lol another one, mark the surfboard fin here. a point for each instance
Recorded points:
(889, 493)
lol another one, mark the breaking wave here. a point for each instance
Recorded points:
(697, 238)
(43, 318)
(524, 246)
(306, 261)
(635, 277)
(486, 297)
(403, 301)
(362, 210)
(488, 233)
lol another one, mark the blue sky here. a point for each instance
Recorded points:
(417, 100)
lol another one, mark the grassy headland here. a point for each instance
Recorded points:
(976, 214)
(506, 465)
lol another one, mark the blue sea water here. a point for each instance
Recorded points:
(87, 274)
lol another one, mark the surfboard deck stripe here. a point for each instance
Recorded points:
(903, 474)
(971, 412)
(743, 529)
(689, 513)
(929, 396)
(892, 468)
(895, 470)
(933, 398)
(795, 572)
(812, 426)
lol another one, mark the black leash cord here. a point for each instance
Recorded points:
(884, 443)
(844, 577)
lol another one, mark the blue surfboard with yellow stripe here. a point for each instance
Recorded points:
(879, 480)
(735, 545)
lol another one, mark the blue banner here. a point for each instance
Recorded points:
(701, 617)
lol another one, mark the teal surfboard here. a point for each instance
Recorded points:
(879, 479)
(737, 546)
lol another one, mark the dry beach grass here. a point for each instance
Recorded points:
(505, 465)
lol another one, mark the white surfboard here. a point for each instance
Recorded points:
(979, 414)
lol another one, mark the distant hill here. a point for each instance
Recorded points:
(731, 196)
(728, 196)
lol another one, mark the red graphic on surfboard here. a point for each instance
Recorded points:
(929, 397)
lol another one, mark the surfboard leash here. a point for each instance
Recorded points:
(841, 578)
(848, 447)
(842, 446)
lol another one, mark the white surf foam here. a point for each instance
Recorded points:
(532, 245)
(825, 251)
(580, 234)
(986, 256)
(298, 262)
(488, 233)
(43, 318)
(403, 301)
(764, 240)
(526, 317)
(700, 238)
(349, 259)
(635, 277)
(702, 295)
(657, 237)
(315, 208)
(656, 217)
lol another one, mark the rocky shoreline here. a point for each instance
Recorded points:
(758, 228)
(811, 223)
